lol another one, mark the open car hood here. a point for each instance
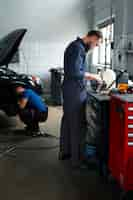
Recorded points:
(9, 45)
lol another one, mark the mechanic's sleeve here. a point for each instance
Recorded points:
(75, 59)
(23, 101)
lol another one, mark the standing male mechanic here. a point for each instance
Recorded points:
(32, 109)
(74, 95)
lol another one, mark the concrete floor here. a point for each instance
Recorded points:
(32, 172)
(52, 125)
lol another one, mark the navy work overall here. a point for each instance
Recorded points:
(74, 97)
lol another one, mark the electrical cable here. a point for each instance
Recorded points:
(111, 32)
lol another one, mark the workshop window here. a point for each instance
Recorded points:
(102, 54)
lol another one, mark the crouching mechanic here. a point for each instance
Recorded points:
(32, 109)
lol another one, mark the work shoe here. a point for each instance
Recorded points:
(28, 131)
(63, 156)
(36, 133)
(80, 166)
(32, 132)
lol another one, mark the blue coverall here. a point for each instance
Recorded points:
(74, 97)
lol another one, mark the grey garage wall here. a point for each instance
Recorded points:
(101, 12)
(51, 25)
(124, 36)
(123, 32)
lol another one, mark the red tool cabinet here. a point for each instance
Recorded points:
(121, 140)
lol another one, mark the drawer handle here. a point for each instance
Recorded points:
(130, 126)
(130, 144)
(130, 117)
(130, 135)
(130, 108)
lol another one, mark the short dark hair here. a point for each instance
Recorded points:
(96, 33)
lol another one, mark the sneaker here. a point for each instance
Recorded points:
(36, 133)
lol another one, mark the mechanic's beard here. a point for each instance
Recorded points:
(87, 48)
(90, 51)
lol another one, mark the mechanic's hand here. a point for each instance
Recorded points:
(89, 76)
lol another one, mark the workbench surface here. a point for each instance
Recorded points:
(99, 97)
(125, 97)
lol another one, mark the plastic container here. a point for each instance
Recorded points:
(123, 82)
